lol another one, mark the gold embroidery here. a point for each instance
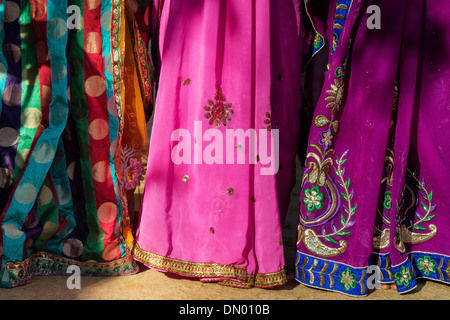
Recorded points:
(310, 271)
(319, 169)
(302, 267)
(230, 274)
(410, 237)
(313, 244)
(335, 268)
(381, 241)
(441, 276)
(361, 281)
(321, 272)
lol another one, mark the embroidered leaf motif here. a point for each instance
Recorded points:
(343, 233)
(349, 209)
(342, 220)
(330, 239)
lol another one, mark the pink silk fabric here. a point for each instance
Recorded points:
(222, 222)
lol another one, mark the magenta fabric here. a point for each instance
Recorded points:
(376, 173)
(222, 65)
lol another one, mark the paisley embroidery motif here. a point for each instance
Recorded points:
(333, 227)
(329, 193)
(413, 219)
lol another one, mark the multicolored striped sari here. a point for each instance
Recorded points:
(75, 85)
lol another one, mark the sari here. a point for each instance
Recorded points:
(75, 85)
(373, 205)
(228, 78)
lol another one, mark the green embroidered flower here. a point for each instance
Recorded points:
(403, 277)
(347, 279)
(317, 41)
(427, 265)
(387, 200)
(313, 199)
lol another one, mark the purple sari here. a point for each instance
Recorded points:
(376, 172)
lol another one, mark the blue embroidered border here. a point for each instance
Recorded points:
(334, 276)
(340, 17)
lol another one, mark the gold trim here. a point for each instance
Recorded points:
(229, 275)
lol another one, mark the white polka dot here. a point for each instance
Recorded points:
(57, 28)
(25, 193)
(59, 71)
(100, 171)
(107, 63)
(48, 231)
(43, 153)
(21, 157)
(98, 129)
(31, 117)
(2, 71)
(58, 115)
(113, 148)
(11, 231)
(112, 106)
(12, 96)
(45, 196)
(6, 178)
(71, 170)
(72, 248)
(105, 20)
(107, 212)
(63, 194)
(12, 11)
(95, 86)
(8, 137)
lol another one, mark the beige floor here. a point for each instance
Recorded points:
(153, 285)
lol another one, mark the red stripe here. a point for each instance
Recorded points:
(39, 22)
(98, 113)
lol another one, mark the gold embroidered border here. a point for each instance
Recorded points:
(228, 275)
(43, 263)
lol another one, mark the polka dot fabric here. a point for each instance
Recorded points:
(63, 133)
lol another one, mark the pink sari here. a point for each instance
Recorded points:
(210, 211)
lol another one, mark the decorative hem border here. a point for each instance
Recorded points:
(42, 264)
(227, 275)
(338, 277)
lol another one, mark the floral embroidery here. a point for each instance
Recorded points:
(218, 111)
(387, 200)
(133, 173)
(415, 212)
(187, 82)
(335, 95)
(427, 265)
(317, 43)
(347, 279)
(133, 170)
(327, 139)
(403, 277)
(313, 199)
